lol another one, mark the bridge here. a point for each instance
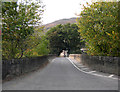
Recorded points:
(61, 74)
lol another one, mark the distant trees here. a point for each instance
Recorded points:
(98, 25)
(64, 37)
(18, 20)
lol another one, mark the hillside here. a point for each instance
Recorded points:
(61, 21)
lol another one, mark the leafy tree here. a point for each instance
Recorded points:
(55, 39)
(64, 37)
(98, 25)
(37, 44)
(19, 20)
(72, 38)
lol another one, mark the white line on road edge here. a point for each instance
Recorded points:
(111, 76)
(53, 60)
(90, 72)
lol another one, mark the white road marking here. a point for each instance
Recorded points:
(111, 75)
(53, 60)
(89, 72)
(92, 71)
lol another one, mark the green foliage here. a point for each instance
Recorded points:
(98, 25)
(38, 46)
(18, 20)
(64, 37)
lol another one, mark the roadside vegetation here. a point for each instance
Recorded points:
(97, 29)
(20, 36)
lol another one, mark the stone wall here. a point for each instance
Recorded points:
(16, 67)
(100, 63)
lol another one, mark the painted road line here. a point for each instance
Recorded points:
(89, 72)
(53, 60)
(111, 75)
(92, 71)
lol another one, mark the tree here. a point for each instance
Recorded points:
(37, 44)
(64, 37)
(55, 38)
(98, 25)
(19, 20)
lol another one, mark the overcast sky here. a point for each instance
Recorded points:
(59, 9)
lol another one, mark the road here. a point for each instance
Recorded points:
(60, 74)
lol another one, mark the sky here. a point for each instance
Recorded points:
(60, 9)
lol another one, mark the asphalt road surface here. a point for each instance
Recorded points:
(60, 74)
